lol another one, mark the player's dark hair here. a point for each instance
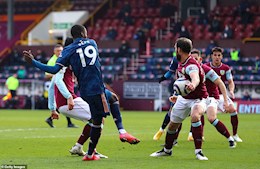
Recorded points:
(76, 31)
(195, 51)
(184, 44)
(217, 49)
(68, 41)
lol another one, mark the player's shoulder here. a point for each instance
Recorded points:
(225, 66)
(92, 42)
(208, 64)
(206, 67)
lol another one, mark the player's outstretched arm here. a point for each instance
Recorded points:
(29, 58)
(167, 75)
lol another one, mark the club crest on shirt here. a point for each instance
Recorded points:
(222, 72)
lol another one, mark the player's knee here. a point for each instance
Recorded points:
(97, 121)
(173, 126)
(113, 98)
(231, 109)
(211, 118)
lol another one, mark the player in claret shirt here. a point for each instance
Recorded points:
(213, 82)
(224, 72)
(194, 104)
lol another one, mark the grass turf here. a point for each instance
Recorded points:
(26, 139)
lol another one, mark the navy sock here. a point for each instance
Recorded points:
(165, 121)
(69, 121)
(116, 116)
(94, 137)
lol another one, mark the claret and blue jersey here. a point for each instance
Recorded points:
(83, 57)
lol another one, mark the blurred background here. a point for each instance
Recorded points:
(135, 40)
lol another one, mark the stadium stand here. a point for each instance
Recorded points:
(136, 65)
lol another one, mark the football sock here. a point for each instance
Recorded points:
(116, 115)
(170, 137)
(85, 134)
(68, 120)
(95, 133)
(202, 124)
(221, 128)
(197, 134)
(165, 121)
(50, 118)
(234, 122)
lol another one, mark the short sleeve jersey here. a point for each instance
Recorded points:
(211, 76)
(185, 69)
(68, 80)
(83, 57)
(223, 71)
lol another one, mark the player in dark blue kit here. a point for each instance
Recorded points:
(115, 111)
(83, 57)
(167, 75)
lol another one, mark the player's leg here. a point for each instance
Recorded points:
(165, 122)
(98, 107)
(221, 128)
(80, 111)
(179, 112)
(190, 137)
(70, 124)
(233, 116)
(49, 122)
(197, 110)
(115, 111)
(78, 147)
(234, 122)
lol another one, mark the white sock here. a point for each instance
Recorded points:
(190, 133)
(122, 131)
(78, 145)
(230, 139)
(161, 129)
(167, 150)
(197, 150)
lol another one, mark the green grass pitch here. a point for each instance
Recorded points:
(26, 139)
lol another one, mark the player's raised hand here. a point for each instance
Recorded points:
(28, 56)
(70, 103)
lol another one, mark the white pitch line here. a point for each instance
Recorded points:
(22, 129)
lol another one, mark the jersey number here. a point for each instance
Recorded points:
(92, 55)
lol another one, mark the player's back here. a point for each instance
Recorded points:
(83, 56)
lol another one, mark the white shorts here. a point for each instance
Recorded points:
(212, 102)
(221, 103)
(80, 111)
(182, 108)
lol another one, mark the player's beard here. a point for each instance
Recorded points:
(178, 56)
